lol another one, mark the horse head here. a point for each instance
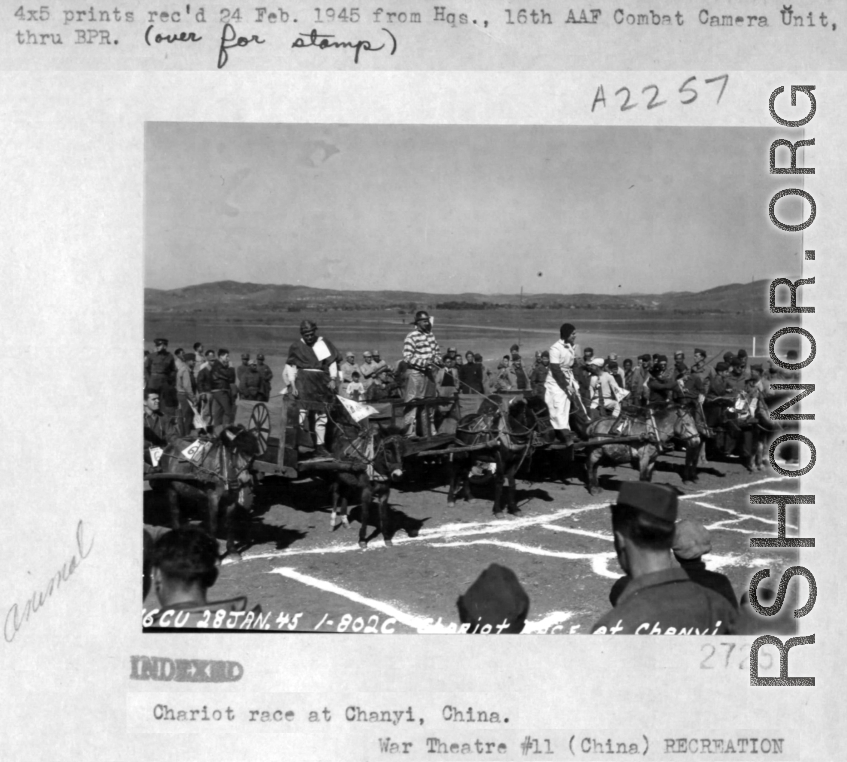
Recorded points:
(390, 445)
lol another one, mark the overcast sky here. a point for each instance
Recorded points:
(464, 208)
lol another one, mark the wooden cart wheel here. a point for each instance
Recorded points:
(259, 426)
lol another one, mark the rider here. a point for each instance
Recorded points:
(422, 356)
(312, 373)
(560, 386)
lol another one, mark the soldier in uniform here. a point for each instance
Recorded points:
(313, 375)
(160, 375)
(422, 356)
(159, 430)
(222, 378)
(704, 372)
(267, 376)
(660, 598)
(240, 372)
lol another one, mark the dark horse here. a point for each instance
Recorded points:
(377, 454)
(220, 476)
(504, 437)
(656, 427)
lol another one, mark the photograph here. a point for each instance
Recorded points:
(484, 379)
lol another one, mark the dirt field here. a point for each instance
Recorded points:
(307, 577)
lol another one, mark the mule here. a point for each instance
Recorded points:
(508, 438)
(660, 426)
(379, 452)
(221, 478)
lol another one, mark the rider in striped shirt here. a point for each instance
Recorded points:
(421, 354)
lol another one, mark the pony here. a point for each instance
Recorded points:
(219, 474)
(504, 437)
(379, 454)
(656, 429)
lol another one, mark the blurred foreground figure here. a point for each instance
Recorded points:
(660, 598)
(183, 566)
(496, 603)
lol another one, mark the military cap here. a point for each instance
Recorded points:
(515, 356)
(612, 356)
(700, 352)
(727, 356)
(658, 500)
(245, 355)
(679, 353)
(421, 315)
(160, 341)
(662, 358)
(721, 366)
(451, 349)
(691, 540)
(742, 353)
(645, 357)
(260, 356)
(496, 596)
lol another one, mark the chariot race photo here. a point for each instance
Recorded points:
(464, 379)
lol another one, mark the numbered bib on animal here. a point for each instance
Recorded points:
(196, 450)
(358, 410)
(155, 455)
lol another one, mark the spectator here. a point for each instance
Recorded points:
(538, 377)
(660, 598)
(447, 379)
(471, 378)
(184, 565)
(222, 389)
(186, 392)
(240, 372)
(691, 541)
(495, 603)
(204, 384)
(605, 392)
(516, 374)
(355, 389)
(251, 382)
(267, 376)
(160, 376)
(347, 367)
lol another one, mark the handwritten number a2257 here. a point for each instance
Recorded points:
(687, 92)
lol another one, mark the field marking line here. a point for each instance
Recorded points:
(494, 526)
(745, 485)
(546, 622)
(744, 516)
(427, 625)
(583, 532)
(410, 620)
(599, 561)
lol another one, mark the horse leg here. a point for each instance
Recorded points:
(333, 489)
(513, 506)
(454, 477)
(385, 527)
(173, 503)
(646, 460)
(230, 507)
(592, 463)
(498, 489)
(366, 502)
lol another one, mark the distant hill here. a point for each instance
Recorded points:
(234, 297)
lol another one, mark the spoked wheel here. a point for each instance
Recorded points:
(259, 426)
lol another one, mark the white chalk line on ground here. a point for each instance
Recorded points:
(421, 624)
(495, 526)
(583, 532)
(742, 516)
